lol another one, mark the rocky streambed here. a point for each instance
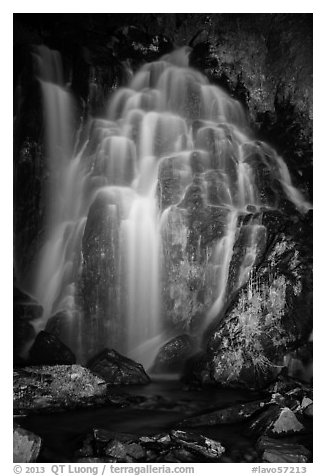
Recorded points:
(68, 414)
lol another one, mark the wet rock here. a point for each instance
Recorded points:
(286, 385)
(289, 400)
(116, 369)
(170, 186)
(233, 414)
(102, 438)
(248, 251)
(198, 444)
(56, 388)
(197, 371)
(58, 325)
(49, 350)
(27, 446)
(264, 420)
(189, 234)
(308, 411)
(280, 451)
(123, 451)
(117, 450)
(268, 318)
(135, 450)
(276, 421)
(306, 402)
(287, 422)
(172, 355)
(102, 322)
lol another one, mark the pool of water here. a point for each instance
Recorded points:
(62, 433)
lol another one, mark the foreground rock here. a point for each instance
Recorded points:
(175, 447)
(233, 414)
(271, 315)
(172, 355)
(116, 369)
(49, 350)
(27, 446)
(276, 421)
(278, 451)
(56, 388)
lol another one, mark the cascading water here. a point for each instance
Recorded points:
(171, 150)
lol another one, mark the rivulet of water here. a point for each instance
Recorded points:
(105, 214)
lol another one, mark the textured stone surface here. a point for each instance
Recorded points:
(47, 349)
(27, 446)
(276, 451)
(287, 422)
(99, 284)
(174, 446)
(271, 315)
(116, 369)
(55, 388)
(172, 355)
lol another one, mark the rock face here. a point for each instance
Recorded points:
(27, 446)
(116, 369)
(270, 316)
(54, 388)
(172, 356)
(49, 350)
(99, 284)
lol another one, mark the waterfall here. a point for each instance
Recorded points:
(170, 148)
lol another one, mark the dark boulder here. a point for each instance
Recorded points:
(275, 421)
(48, 389)
(49, 350)
(280, 451)
(58, 325)
(198, 444)
(172, 356)
(116, 369)
(197, 370)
